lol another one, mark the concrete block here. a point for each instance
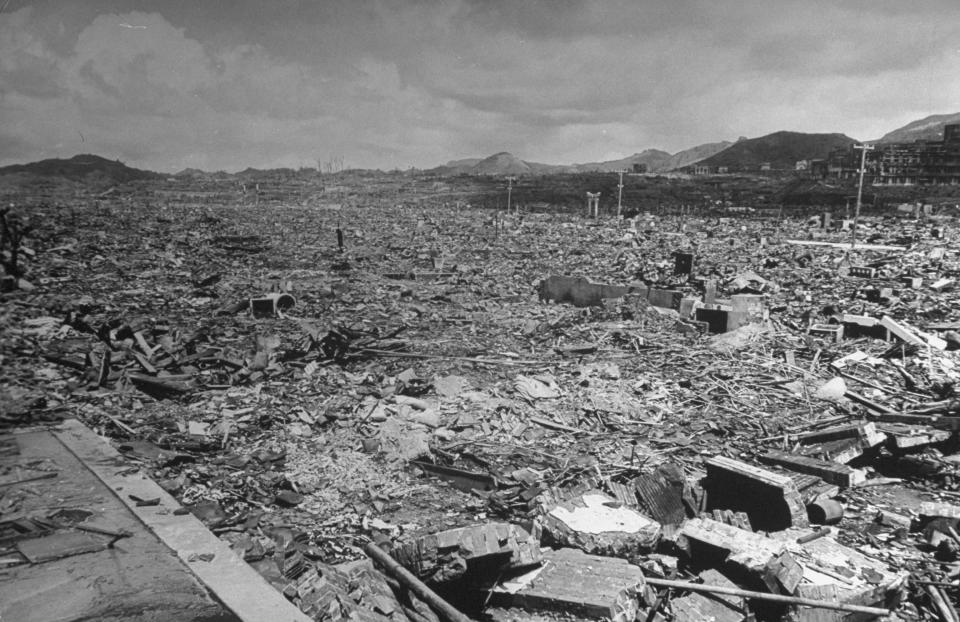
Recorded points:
(745, 309)
(830, 332)
(666, 298)
(771, 500)
(710, 292)
(913, 282)
(863, 272)
(863, 326)
(271, 304)
(578, 291)
(839, 474)
(687, 305)
(942, 284)
(444, 556)
(598, 524)
(716, 319)
(575, 583)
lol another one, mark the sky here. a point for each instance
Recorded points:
(230, 84)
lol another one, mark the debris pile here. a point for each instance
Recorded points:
(529, 416)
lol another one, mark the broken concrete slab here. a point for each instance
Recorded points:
(771, 500)
(839, 474)
(445, 555)
(597, 523)
(749, 557)
(853, 577)
(574, 582)
(841, 444)
(716, 607)
(59, 545)
(865, 433)
(906, 437)
(901, 332)
(931, 509)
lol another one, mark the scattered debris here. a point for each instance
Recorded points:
(674, 424)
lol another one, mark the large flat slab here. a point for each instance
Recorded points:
(571, 581)
(233, 581)
(75, 574)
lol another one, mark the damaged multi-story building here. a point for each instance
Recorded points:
(923, 162)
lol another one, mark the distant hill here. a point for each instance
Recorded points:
(84, 167)
(694, 154)
(929, 128)
(194, 173)
(780, 149)
(464, 163)
(652, 159)
(502, 163)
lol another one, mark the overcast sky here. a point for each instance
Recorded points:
(170, 84)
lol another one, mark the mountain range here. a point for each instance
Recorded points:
(650, 160)
(781, 150)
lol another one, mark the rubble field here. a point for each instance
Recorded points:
(424, 410)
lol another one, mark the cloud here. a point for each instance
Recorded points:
(139, 86)
(416, 82)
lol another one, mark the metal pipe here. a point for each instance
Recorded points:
(778, 598)
(394, 569)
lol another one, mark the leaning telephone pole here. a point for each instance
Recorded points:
(856, 214)
(510, 181)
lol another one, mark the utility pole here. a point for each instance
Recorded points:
(510, 181)
(856, 214)
(619, 195)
